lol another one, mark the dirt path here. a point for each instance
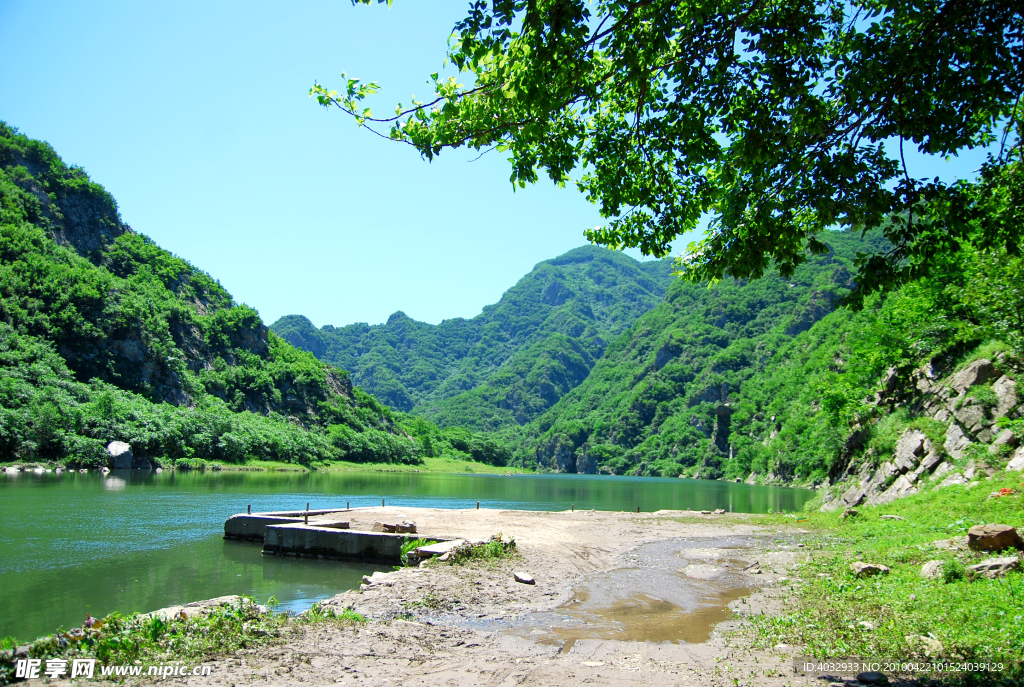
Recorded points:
(608, 586)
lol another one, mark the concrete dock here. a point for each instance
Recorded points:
(322, 534)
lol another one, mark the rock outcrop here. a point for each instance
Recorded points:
(917, 463)
(121, 457)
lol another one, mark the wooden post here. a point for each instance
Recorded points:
(248, 509)
(638, 509)
(305, 520)
(478, 505)
(307, 505)
(382, 503)
(574, 508)
(347, 506)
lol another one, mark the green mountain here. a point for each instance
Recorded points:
(767, 381)
(665, 398)
(511, 362)
(104, 336)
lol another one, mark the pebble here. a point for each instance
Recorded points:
(524, 578)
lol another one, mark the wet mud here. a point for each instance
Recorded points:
(672, 591)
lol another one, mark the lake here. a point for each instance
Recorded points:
(73, 544)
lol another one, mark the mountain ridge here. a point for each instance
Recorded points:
(588, 294)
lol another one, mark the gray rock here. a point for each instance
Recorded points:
(891, 517)
(902, 487)
(1006, 391)
(944, 469)
(524, 578)
(978, 372)
(927, 463)
(852, 496)
(993, 567)
(952, 544)
(953, 480)
(910, 446)
(970, 414)
(1017, 461)
(956, 440)
(1004, 438)
(993, 537)
(120, 455)
(932, 570)
(862, 569)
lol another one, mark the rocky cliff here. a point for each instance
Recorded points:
(955, 435)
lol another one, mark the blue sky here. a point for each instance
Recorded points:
(195, 115)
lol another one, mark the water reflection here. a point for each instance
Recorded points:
(83, 543)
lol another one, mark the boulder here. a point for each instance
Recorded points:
(1017, 461)
(978, 372)
(910, 446)
(992, 568)
(140, 463)
(969, 469)
(862, 569)
(872, 677)
(993, 537)
(523, 578)
(932, 570)
(1004, 438)
(956, 440)
(120, 455)
(1006, 391)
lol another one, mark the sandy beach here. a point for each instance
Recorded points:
(619, 598)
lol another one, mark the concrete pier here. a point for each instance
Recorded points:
(309, 540)
(252, 526)
(323, 534)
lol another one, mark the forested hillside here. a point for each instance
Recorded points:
(104, 336)
(508, 364)
(766, 381)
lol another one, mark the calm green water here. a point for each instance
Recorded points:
(74, 544)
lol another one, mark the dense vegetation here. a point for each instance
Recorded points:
(508, 364)
(104, 336)
(767, 376)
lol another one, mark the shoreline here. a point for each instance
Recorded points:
(475, 624)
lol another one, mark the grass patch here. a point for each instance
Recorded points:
(839, 615)
(494, 548)
(120, 639)
(322, 613)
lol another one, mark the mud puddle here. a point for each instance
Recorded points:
(671, 591)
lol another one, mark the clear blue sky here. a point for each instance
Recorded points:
(195, 115)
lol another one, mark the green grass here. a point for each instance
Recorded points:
(974, 620)
(120, 639)
(322, 613)
(493, 549)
